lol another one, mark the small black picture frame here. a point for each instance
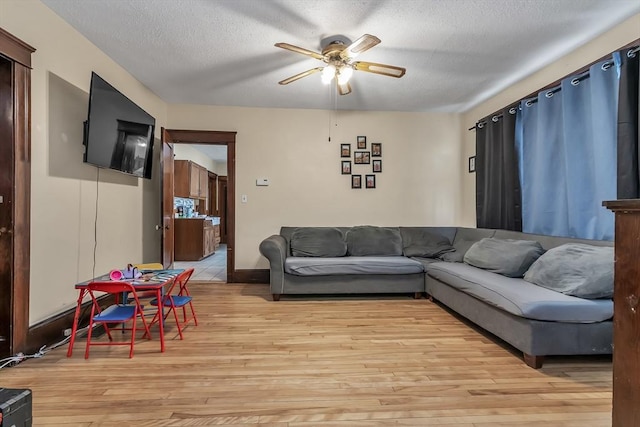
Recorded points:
(362, 142)
(376, 149)
(361, 157)
(377, 166)
(356, 181)
(345, 150)
(370, 181)
(472, 164)
(346, 167)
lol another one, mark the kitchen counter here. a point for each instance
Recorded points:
(195, 238)
(215, 220)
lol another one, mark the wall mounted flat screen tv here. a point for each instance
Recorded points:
(117, 134)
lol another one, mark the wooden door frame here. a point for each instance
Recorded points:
(223, 181)
(213, 137)
(212, 197)
(19, 53)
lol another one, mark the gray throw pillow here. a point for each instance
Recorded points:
(423, 243)
(509, 257)
(366, 240)
(318, 242)
(576, 269)
(459, 250)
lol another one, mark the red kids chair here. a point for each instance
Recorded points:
(178, 297)
(116, 313)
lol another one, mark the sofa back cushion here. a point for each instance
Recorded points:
(318, 242)
(425, 242)
(576, 269)
(548, 242)
(465, 238)
(367, 240)
(509, 257)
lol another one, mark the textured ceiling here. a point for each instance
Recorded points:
(221, 52)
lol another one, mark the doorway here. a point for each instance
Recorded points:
(175, 136)
(209, 261)
(15, 192)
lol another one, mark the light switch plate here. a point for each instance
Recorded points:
(244, 198)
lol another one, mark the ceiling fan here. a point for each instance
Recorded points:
(338, 53)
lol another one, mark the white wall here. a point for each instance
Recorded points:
(610, 41)
(187, 152)
(419, 184)
(220, 168)
(63, 189)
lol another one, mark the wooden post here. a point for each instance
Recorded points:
(626, 316)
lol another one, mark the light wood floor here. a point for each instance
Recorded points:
(322, 362)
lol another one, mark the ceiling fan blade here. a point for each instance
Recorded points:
(301, 50)
(364, 43)
(301, 75)
(343, 89)
(384, 69)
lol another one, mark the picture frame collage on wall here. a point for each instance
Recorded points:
(361, 156)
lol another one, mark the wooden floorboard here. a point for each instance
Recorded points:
(307, 362)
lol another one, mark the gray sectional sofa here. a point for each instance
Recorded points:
(469, 270)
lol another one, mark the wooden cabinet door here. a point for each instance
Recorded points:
(209, 245)
(181, 178)
(216, 236)
(194, 180)
(204, 183)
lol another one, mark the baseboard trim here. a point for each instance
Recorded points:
(50, 331)
(251, 276)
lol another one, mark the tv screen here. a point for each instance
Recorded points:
(118, 133)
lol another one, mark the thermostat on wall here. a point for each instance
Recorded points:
(262, 182)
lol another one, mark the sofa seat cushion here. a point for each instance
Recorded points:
(306, 266)
(425, 261)
(519, 297)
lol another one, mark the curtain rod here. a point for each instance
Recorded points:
(494, 118)
(634, 49)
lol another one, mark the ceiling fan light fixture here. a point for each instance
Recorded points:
(344, 74)
(338, 53)
(328, 73)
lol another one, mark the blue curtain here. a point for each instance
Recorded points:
(566, 144)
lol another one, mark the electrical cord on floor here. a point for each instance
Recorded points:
(21, 357)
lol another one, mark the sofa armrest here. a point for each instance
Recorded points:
(274, 248)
